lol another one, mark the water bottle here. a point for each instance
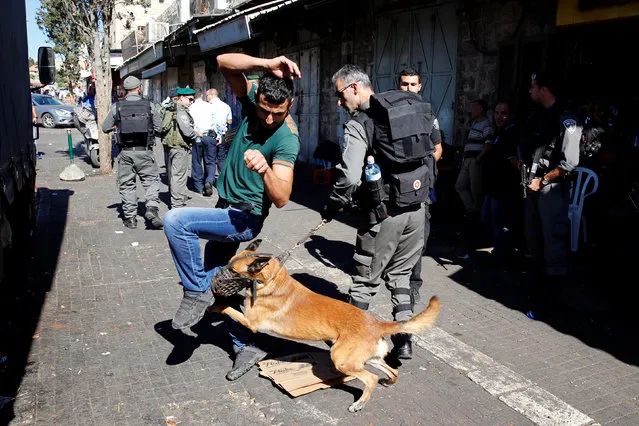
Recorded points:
(373, 175)
(372, 171)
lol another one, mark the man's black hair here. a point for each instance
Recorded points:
(409, 72)
(482, 103)
(276, 90)
(549, 79)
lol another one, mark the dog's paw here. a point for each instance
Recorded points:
(387, 382)
(356, 406)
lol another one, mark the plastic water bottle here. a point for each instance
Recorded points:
(375, 188)
(372, 170)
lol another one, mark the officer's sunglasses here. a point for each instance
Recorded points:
(191, 99)
(339, 93)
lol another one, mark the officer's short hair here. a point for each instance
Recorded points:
(198, 93)
(549, 79)
(409, 72)
(352, 74)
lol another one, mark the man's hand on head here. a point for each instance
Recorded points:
(255, 161)
(283, 67)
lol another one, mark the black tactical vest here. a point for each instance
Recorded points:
(398, 125)
(135, 122)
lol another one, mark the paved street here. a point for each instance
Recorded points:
(94, 344)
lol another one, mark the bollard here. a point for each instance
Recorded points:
(71, 172)
(70, 141)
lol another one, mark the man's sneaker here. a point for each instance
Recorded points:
(153, 215)
(191, 309)
(131, 222)
(208, 189)
(245, 359)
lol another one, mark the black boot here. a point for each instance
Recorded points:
(153, 215)
(131, 223)
(403, 346)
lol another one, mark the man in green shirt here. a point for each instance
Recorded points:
(258, 173)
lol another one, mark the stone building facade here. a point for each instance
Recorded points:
(464, 50)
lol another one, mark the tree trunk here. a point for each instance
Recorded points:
(101, 57)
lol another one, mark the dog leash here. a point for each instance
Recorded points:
(284, 256)
(227, 283)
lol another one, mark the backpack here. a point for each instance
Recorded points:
(398, 128)
(135, 121)
(170, 131)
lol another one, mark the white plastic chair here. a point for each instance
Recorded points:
(581, 188)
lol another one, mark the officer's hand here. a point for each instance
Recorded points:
(255, 161)
(535, 184)
(328, 213)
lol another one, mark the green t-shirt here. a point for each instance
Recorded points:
(236, 183)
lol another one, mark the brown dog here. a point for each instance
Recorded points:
(285, 307)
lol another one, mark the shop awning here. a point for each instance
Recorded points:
(151, 54)
(158, 69)
(237, 27)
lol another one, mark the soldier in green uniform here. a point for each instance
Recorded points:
(178, 135)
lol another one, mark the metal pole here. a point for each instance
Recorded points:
(70, 140)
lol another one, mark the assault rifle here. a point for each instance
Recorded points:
(523, 178)
(523, 173)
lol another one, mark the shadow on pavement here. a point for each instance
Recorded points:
(596, 303)
(25, 289)
(331, 253)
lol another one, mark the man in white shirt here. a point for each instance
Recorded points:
(202, 113)
(215, 157)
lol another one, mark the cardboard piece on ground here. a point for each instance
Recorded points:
(302, 373)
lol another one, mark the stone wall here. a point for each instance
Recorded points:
(484, 27)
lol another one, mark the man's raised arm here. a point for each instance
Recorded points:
(233, 66)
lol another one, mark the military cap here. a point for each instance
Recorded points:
(131, 82)
(184, 91)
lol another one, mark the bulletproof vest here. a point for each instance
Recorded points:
(398, 125)
(135, 122)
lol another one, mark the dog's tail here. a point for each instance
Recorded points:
(419, 323)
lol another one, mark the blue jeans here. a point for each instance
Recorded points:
(494, 215)
(214, 157)
(197, 171)
(204, 150)
(224, 229)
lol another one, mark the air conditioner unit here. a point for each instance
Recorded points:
(156, 31)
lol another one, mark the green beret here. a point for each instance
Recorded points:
(184, 91)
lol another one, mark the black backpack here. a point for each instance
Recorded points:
(135, 121)
(398, 126)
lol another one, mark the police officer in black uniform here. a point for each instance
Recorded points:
(551, 152)
(132, 119)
